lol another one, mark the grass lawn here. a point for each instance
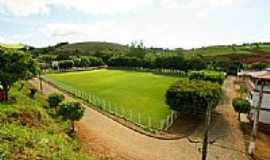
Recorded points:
(137, 92)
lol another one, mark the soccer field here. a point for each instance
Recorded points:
(141, 94)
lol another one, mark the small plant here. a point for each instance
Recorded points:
(241, 106)
(55, 99)
(72, 111)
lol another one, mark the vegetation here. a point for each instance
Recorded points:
(258, 66)
(55, 99)
(66, 64)
(129, 91)
(15, 65)
(241, 105)
(28, 130)
(212, 76)
(12, 46)
(72, 111)
(192, 97)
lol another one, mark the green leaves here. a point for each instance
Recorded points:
(16, 65)
(71, 110)
(55, 99)
(241, 105)
(193, 96)
(212, 76)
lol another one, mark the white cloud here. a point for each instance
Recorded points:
(102, 6)
(23, 8)
(212, 4)
(102, 31)
(224, 3)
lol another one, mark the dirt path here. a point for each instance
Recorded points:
(108, 139)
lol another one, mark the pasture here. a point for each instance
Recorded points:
(141, 94)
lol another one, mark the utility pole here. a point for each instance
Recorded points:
(252, 144)
(207, 127)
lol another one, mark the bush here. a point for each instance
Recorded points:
(72, 111)
(55, 99)
(241, 106)
(258, 66)
(66, 64)
(124, 61)
(171, 62)
(193, 97)
(212, 76)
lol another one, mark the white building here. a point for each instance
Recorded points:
(254, 81)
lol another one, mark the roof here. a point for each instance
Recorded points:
(262, 75)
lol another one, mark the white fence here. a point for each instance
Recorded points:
(144, 121)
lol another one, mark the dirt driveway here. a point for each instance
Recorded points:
(106, 138)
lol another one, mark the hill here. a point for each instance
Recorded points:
(12, 46)
(245, 53)
(93, 47)
(30, 130)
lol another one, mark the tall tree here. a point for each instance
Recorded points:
(15, 65)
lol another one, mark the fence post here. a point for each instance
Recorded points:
(149, 122)
(130, 112)
(139, 118)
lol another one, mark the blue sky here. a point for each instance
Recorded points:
(158, 23)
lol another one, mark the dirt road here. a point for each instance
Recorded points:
(106, 138)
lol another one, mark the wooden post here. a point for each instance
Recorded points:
(207, 126)
(251, 147)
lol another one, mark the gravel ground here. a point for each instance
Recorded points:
(106, 138)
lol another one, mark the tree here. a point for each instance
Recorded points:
(66, 64)
(193, 97)
(137, 49)
(55, 99)
(15, 65)
(72, 111)
(241, 106)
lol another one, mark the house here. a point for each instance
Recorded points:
(254, 81)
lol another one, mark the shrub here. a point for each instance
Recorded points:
(241, 106)
(258, 66)
(66, 64)
(193, 97)
(124, 61)
(72, 111)
(55, 99)
(212, 76)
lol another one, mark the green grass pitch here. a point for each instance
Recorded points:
(137, 92)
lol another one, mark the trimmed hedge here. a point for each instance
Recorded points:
(193, 96)
(71, 110)
(212, 76)
(241, 105)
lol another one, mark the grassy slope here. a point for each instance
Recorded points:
(87, 48)
(12, 46)
(228, 50)
(139, 92)
(27, 131)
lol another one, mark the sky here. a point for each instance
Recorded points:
(158, 23)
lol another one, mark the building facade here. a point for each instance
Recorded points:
(254, 82)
